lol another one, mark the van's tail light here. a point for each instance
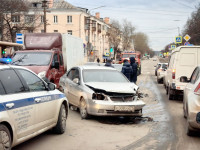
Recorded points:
(173, 73)
(197, 90)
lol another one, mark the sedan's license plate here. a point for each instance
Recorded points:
(125, 108)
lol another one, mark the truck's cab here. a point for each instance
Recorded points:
(43, 55)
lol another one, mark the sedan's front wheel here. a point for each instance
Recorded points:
(5, 138)
(83, 109)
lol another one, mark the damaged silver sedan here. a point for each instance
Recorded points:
(101, 91)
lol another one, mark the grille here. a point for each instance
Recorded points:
(122, 99)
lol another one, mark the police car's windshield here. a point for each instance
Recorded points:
(34, 59)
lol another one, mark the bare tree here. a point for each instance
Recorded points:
(115, 35)
(141, 42)
(192, 27)
(15, 18)
(128, 31)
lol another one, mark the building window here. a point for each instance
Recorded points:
(69, 19)
(42, 31)
(15, 18)
(69, 32)
(35, 5)
(55, 30)
(42, 19)
(29, 19)
(55, 19)
(30, 31)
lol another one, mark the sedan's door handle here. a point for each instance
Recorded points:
(37, 100)
(10, 105)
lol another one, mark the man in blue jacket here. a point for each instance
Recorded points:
(127, 69)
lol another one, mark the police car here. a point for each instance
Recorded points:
(28, 106)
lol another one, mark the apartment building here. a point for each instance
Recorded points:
(63, 17)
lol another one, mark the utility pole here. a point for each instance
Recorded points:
(44, 5)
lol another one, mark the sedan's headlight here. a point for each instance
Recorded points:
(99, 96)
(42, 74)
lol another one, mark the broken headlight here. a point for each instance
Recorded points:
(99, 96)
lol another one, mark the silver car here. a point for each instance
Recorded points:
(191, 102)
(101, 91)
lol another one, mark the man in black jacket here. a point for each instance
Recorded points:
(134, 67)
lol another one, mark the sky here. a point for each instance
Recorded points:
(159, 19)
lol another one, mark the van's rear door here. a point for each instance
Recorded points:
(187, 61)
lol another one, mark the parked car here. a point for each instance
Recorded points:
(101, 91)
(29, 106)
(157, 67)
(191, 101)
(161, 72)
(183, 61)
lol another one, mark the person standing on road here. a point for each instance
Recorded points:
(109, 63)
(134, 67)
(98, 60)
(127, 69)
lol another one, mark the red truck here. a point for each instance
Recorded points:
(127, 55)
(50, 55)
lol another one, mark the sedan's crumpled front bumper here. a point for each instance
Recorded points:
(111, 108)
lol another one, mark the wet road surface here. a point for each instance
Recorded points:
(162, 126)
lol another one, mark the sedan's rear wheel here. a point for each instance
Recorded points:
(5, 138)
(83, 109)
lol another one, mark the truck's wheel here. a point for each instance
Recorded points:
(83, 109)
(5, 138)
(62, 118)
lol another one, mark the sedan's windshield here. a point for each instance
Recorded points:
(103, 76)
(34, 59)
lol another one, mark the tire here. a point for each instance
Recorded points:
(170, 96)
(166, 90)
(62, 118)
(5, 138)
(83, 109)
(189, 131)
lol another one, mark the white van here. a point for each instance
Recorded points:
(182, 62)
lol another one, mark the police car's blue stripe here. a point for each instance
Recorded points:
(29, 101)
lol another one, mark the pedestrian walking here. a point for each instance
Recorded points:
(127, 69)
(134, 67)
(98, 60)
(109, 63)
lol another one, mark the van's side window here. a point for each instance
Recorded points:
(11, 81)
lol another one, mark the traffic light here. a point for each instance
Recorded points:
(4, 51)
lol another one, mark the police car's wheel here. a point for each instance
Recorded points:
(83, 109)
(62, 118)
(5, 138)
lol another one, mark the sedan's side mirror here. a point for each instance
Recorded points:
(184, 79)
(51, 86)
(76, 80)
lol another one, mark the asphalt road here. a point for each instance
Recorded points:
(162, 126)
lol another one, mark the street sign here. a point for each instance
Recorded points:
(187, 37)
(178, 39)
(19, 38)
(173, 47)
(111, 49)
(187, 43)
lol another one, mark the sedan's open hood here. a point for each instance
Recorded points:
(114, 87)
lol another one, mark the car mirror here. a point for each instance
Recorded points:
(76, 80)
(184, 79)
(51, 86)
